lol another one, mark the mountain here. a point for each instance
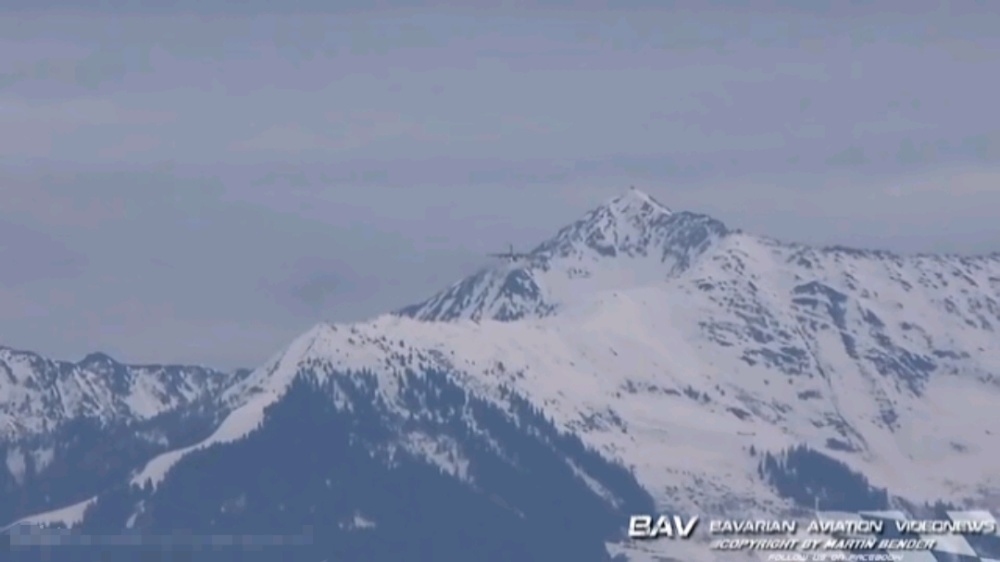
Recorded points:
(641, 359)
(70, 430)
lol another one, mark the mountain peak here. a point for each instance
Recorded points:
(97, 358)
(636, 202)
(632, 224)
(582, 257)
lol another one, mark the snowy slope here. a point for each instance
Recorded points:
(631, 375)
(680, 347)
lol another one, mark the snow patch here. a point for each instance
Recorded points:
(359, 522)
(67, 516)
(17, 464)
(441, 451)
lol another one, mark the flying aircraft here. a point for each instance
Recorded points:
(510, 255)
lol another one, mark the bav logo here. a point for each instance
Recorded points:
(657, 526)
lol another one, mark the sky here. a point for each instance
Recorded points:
(197, 182)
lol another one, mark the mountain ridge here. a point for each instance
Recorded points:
(657, 243)
(97, 386)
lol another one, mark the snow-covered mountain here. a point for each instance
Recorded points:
(641, 356)
(71, 429)
(861, 353)
(38, 395)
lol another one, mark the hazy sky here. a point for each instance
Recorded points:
(194, 183)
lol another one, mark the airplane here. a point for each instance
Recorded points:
(511, 255)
